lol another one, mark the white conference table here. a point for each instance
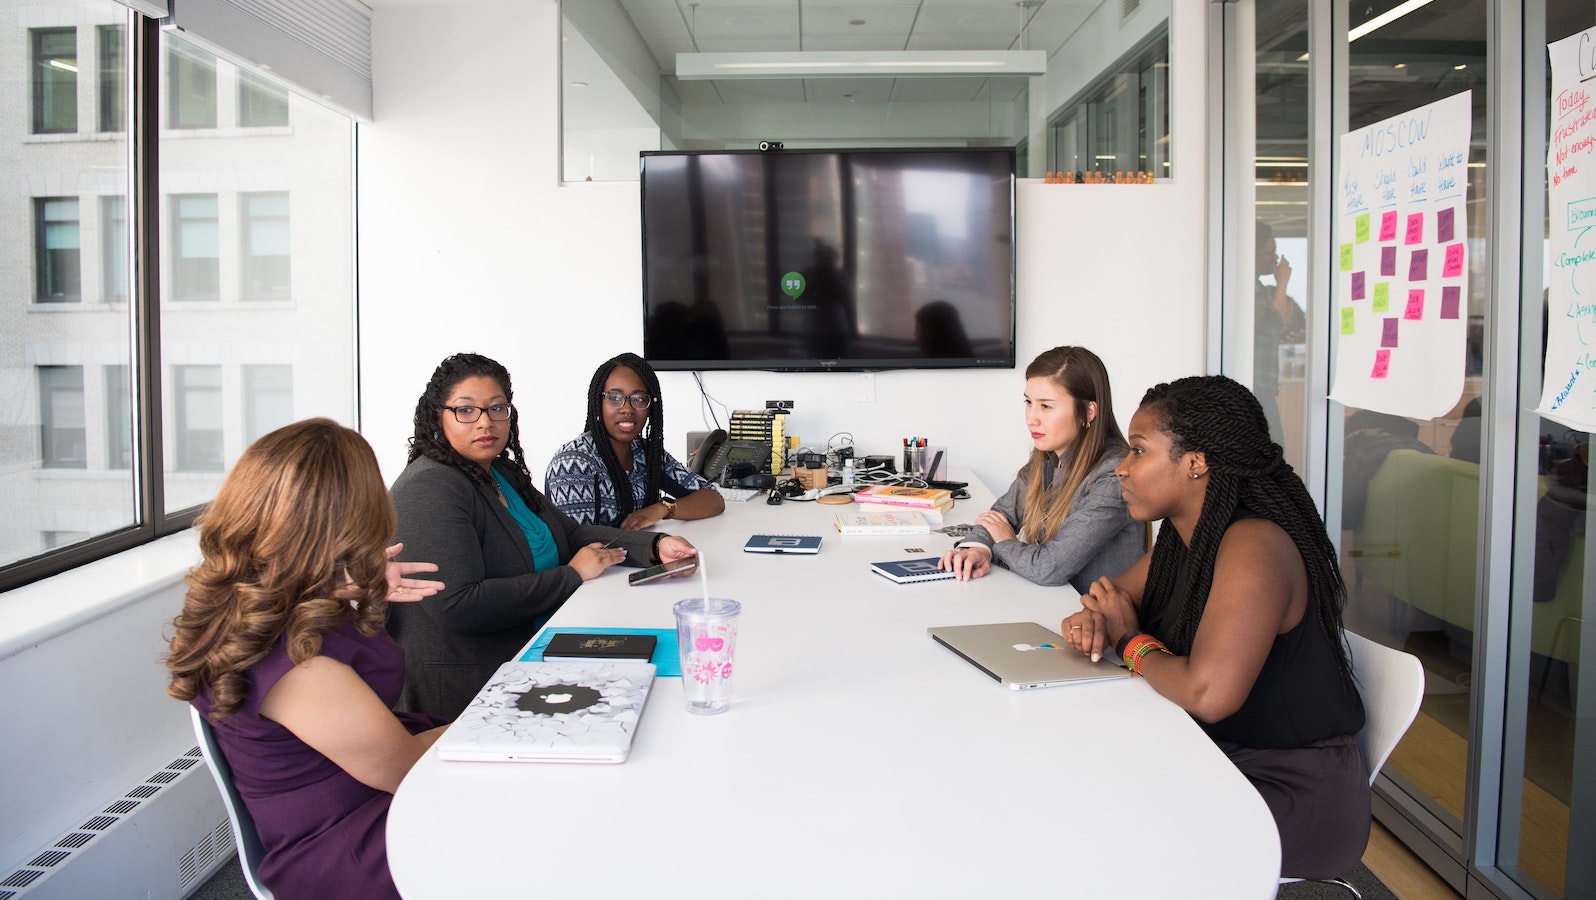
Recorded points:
(859, 757)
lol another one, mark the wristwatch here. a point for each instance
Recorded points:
(670, 505)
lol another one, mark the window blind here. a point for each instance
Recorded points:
(321, 47)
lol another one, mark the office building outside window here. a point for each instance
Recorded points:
(113, 249)
(196, 261)
(113, 77)
(58, 243)
(118, 419)
(260, 103)
(62, 436)
(190, 87)
(55, 80)
(266, 246)
(268, 399)
(197, 403)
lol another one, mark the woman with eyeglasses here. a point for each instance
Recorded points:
(510, 558)
(618, 472)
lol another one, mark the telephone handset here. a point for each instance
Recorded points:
(716, 454)
(698, 460)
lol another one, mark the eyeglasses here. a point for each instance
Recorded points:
(465, 415)
(616, 399)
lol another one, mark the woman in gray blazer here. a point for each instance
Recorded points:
(507, 557)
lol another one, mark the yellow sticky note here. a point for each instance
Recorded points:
(1346, 257)
(1346, 319)
(1382, 297)
(1363, 228)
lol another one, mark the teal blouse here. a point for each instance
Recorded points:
(544, 554)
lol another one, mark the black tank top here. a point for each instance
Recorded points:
(1299, 696)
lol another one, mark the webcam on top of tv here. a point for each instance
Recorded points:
(767, 146)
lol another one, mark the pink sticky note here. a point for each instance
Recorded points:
(1444, 225)
(1453, 266)
(1415, 308)
(1388, 221)
(1357, 285)
(1388, 262)
(1419, 265)
(1415, 229)
(1382, 363)
(1388, 332)
(1451, 297)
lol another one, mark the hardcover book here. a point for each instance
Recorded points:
(895, 521)
(567, 646)
(911, 571)
(899, 495)
(552, 712)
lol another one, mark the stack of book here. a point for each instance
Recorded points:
(932, 503)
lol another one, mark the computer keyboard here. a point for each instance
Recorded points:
(738, 494)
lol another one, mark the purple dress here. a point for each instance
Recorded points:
(324, 832)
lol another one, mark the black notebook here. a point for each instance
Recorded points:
(566, 646)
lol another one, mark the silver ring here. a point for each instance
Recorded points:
(1075, 628)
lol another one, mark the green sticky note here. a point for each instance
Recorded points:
(1382, 297)
(1346, 320)
(1363, 228)
(1346, 257)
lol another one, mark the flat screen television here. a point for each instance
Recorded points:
(828, 260)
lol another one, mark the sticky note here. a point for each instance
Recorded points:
(1346, 257)
(1362, 229)
(1382, 364)
(1388, 331)
(1346, 319)
(1444, 225)
(1415, 229)
(1419, 265)
(1451, 299)
(1357, 285)
(1453, 266)
(1415, 308)
(1382, 297)
(1388, 262)
(1388, 220)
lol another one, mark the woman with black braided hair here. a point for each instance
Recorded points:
(618, 472)
(1235, 614)
(510, 558)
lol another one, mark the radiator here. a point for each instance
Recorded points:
(159, 841)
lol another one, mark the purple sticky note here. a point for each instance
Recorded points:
(1388, 221)
(1388, 262)
(1388, 332)
(1415, 308)
(1443, 224)
(1382, 364)
(1453, 266)
(1451, 298)
(1357, 285)
(1415, 229)
(1419, 265)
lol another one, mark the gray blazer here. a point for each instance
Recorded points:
(1097, 538)
(493, 601)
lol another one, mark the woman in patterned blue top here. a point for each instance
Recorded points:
(618, 472)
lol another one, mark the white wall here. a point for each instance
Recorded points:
(469, 242)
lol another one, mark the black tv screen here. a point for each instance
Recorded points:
(816, 260)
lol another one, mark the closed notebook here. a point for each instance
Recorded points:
(570, 646)
(577, 712)
(909, 571)
(783, 543)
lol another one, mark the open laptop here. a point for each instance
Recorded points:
(576, 712)
(1023, 655)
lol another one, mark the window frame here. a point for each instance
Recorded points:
(42, 252)
(37, 83)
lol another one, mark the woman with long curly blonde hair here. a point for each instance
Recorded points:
(281, 646)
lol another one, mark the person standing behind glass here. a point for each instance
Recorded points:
(1062, 521)
(618, 472)
(1277, 319)
(509, 557)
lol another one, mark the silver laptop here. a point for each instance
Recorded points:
(1023, 655)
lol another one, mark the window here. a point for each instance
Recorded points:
(55, 80)
(265, 256)
(268, 399)
(62, 438)
(197, 397)
(113, 77)
(1118, 124)
(260, 104)
(118, 419)
(58, 253)
(196, 266)
(113, 248)
(190, 87)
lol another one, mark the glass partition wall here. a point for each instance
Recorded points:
(1463, 536)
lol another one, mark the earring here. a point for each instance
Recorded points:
(1195, 476)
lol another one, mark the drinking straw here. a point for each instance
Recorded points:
(703, 579)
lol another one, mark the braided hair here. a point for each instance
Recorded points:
(653, 431)
(1221, 419)
(429, 440)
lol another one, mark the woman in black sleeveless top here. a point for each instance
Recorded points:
(1235, 614)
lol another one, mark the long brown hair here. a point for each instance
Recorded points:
(1081, 374)
(291, 547)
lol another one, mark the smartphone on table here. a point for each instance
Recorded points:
(663, 570)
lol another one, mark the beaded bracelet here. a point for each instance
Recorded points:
(1137, 650)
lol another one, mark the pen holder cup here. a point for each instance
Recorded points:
(914, 461)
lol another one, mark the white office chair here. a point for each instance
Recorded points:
(250, 850)
(1392, 685)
